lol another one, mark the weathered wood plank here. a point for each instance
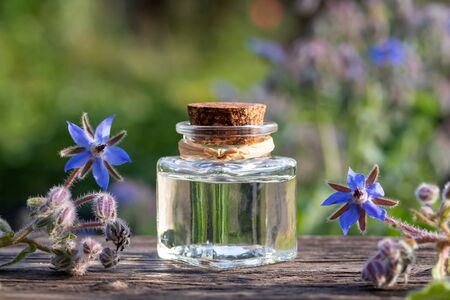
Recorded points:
(326, 268)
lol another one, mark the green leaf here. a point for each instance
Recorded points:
(4, 226)
(69, 236)
(31, 248)
(436, 290)
(35, 202)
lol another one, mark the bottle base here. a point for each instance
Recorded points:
(225, 257)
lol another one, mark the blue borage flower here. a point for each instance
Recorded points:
(267, 50)
(95, 150)
(390, 51)
(361, 197)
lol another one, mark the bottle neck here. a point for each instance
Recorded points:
(225, 142)
(191, 148)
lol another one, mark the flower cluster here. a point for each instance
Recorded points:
(75, 260)
(56, 213)
(392, 259)
(67, 257)
(363, 196)
(389, 52)
(95, 150)
(367, 60)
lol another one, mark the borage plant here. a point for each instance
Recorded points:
(364, 197)
(56, 213)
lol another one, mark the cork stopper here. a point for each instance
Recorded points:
(226, 113)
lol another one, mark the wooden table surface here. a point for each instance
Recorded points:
(325, 268)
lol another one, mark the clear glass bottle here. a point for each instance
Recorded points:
(226, 214)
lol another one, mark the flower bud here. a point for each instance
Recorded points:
(427, 193)
(105, 208)
(62, 262)
(58, 196)
(35, 202)
(444, 210)
(66, 217)
(427, 211)
(392, 259)
(91, 247)
(376, 271)
(119, 233)
(44, 217)
(108, 257)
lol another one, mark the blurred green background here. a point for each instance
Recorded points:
(349, 83)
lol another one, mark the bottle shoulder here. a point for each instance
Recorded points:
(274, 168)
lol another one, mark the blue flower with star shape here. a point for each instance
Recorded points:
(360, 198)
(95, 150)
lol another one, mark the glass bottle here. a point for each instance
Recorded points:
(226, 213)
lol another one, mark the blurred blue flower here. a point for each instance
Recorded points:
(268, 50)
(391, 51)
(362, 196)
(129, 191)
(95, 150)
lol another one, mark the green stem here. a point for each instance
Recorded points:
(224, 211)
(22, 234)
(38, 246)
(440, 270)
(254, 210)
(219, 212)
(199, 216)
(423, 218)
(444, 227)
(215, 213)
(5, 243)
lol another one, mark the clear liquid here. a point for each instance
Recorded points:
(226, 224)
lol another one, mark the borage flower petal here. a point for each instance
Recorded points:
(349, 217)
(375, 190)
(101, 174)
(116, 156)
(374, 211)
(77, 161)
(103, 130)
(355, 180)
(337, 198)
(78, 135)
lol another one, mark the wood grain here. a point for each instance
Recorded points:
(326, 268)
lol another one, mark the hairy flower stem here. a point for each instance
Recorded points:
(421, 236)
(88, 225)
(403, 226)
(85, 199)
(442, 259)
(36, 244)
(72, 178)
(423, 218)
(444, 227)
(22, 234)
